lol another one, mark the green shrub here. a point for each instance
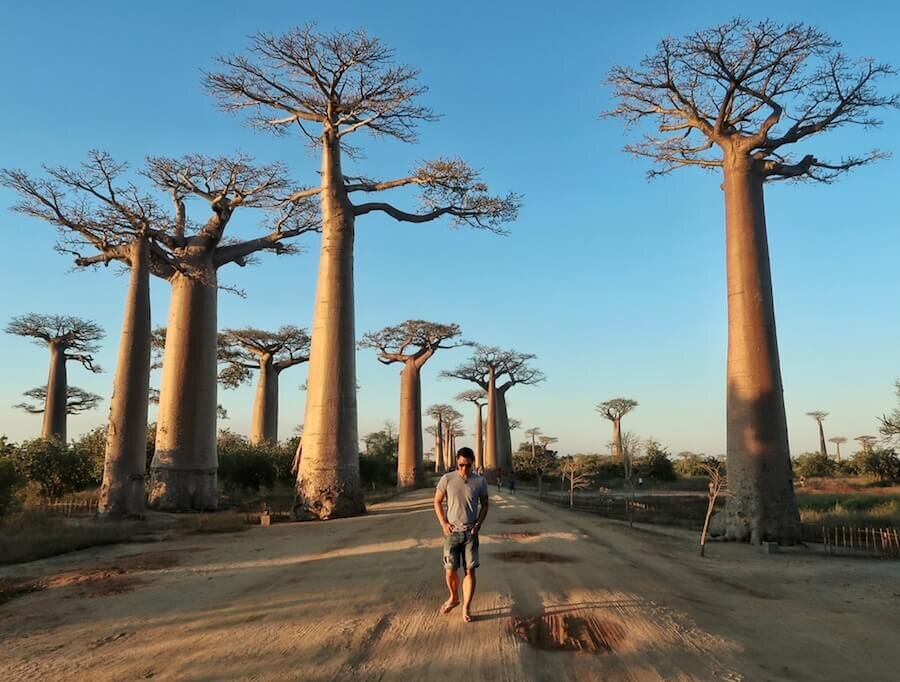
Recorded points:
(93, 446)
(811, 464)
(379, 470)
(55, 467)
(249, 469)
(655, 464)
(882, 464)
(11, 481)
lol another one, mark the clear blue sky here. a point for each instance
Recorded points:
(615, 283)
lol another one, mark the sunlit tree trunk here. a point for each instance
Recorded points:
(504, 438)
(409, 447)
(54, 423)
(479, 438)
(122, 491)
(328, 484)
(490, 446)
(618, 452)
(822, 449)
(183, 471)
(439, 448)
(264, 427)
(761, 503)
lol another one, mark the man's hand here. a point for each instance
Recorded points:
(446, 528)
(476, 528)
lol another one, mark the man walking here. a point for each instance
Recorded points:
(467, 505)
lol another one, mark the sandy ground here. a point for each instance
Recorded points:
(561, 596)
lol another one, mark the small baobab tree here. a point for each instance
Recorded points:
(183, 471)
(68, 339)
(411, 343)
(77, 400)
(614, 410)
(543, 460)
(866, 442)
(819, 416)
(442, 414)
(533, 433)
(478, 397)
(838, 441)
(330, 86)
(485, 368)
(736, 98)
(269, 353)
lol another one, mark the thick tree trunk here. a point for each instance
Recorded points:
(122, 491)
(822, 449)
(183, 471)
(838, 445)
(504, 438)
(761, 506)
(264, 427)
(479, 438)
(328, 484)
(54, 424)
(490, 444)
(409, 457)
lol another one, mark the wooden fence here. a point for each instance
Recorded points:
(855, 540)
(66, 508)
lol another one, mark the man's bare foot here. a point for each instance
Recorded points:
(449, 605)
(468, 617)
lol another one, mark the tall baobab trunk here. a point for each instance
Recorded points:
(264, 427)
(328, 484)
(439, 448)
(409, 449)
(479, 438)
(490, 446)
(122, 491)
(838, 446)
(504, 438)
(618, 452)
(761, 505)
(822, 449)
(54, 424)
(183, 471)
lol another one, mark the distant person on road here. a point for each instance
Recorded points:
(499, 479)
(511, 482)
(467, 505)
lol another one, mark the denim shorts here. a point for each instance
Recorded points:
(461, 550)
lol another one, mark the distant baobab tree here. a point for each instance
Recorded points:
(478, 397)
(533, 432)
(819, 416)
(488, 365)
(614, 410)
(411, 343)
(866, 442)
(442, 414)
(68, 338)
(329, 86)
(541, 462)
(77, 400)
(838, 440)
(269, 353)
(736, 97)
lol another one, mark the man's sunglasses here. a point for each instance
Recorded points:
(464, 465)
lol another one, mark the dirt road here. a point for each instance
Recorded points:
(561, 596)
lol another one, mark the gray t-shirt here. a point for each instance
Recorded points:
(462, 498)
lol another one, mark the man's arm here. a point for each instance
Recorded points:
(482, 512)
(439, 496)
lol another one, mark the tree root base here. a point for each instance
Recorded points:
(180, 490)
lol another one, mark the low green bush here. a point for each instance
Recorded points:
(11, 481)
(55, 467)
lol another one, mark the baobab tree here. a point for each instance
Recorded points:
(68, 339)
(453, 429)
(101, 218)
(735, 98)
(329, 86)
(183, 471)
(866, 442)
(478, 397)
(614, 410)
(77, 400)
(838, 440)
(270, 353)
(534, 433)
(819, 416)
(488, 365)
(411, 343)
(541, 462)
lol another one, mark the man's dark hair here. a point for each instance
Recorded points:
(467, 453)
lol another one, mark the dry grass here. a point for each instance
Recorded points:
(34, 535)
